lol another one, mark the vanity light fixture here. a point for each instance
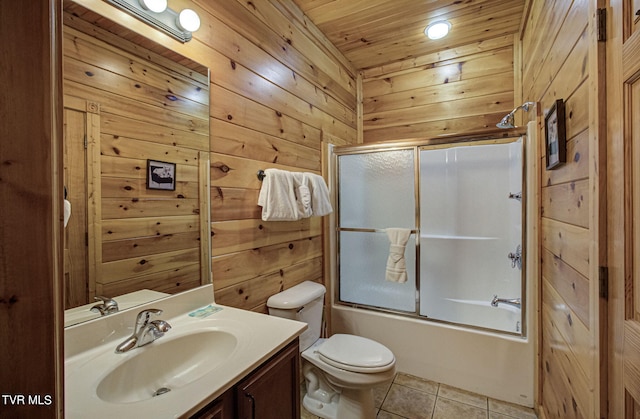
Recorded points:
(156, 6)
(156, 13)
(438, 29)
(188, 20)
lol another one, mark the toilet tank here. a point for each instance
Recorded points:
(302, 302)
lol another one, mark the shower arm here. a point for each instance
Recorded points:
(508, 121)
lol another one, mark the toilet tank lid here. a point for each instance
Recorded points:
(296, 296)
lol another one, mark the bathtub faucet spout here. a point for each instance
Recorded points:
(511, 301)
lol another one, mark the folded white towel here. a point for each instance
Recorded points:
(396, 264)
(277, 196)
(290, 196)
(320, 202)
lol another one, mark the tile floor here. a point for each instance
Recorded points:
(416, 398)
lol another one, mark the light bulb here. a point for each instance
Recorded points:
(188, 20)
(156, 6)
(438, 29)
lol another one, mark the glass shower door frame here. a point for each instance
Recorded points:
(415, 231)
(416, 147)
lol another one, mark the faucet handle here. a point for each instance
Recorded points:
(102, 298)
(144, 331)
(152, 311)
(107, 305)
(108, 302)
(161, 326)
(145, 315)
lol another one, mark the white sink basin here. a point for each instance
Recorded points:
(166, 365)
(197, 360)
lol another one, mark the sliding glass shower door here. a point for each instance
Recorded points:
(471, 235)
(462, 204)
(376, 192)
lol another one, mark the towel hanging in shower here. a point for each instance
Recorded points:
(396, 264)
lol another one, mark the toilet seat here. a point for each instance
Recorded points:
(356, 354)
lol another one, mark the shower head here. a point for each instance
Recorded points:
(506, 122)
(509, 121)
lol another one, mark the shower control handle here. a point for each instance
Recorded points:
(516, 196)
(516, 258)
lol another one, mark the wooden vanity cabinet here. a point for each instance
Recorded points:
(271, 391)
(221, 408)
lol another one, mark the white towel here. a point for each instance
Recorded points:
(277, 196)
(67, 212)
(290, 196)
(396, 264)
(320, 203)
(302, 193)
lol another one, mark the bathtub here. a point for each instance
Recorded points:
(491, 364)
(482, 313)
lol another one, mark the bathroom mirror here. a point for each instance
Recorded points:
(132, 109)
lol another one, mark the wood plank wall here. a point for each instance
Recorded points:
(557, 47)
(461, 90)
(31, 211)
(149, 109)
(279, 90)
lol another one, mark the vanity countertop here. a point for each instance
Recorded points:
(257, 338)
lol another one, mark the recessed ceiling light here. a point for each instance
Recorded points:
(438, 29)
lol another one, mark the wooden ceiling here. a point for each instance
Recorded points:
(375, 32)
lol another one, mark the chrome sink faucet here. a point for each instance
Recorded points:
(145, 331)
(510, 301)
(107, 306)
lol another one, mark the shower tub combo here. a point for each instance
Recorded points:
(462, 316)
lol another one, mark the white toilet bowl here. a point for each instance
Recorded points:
(341, 371)
(338, 390)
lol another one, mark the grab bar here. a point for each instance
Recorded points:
(510, 301)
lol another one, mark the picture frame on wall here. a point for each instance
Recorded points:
(161, 175)
(555, 135)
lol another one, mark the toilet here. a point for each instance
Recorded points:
(340, 372)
